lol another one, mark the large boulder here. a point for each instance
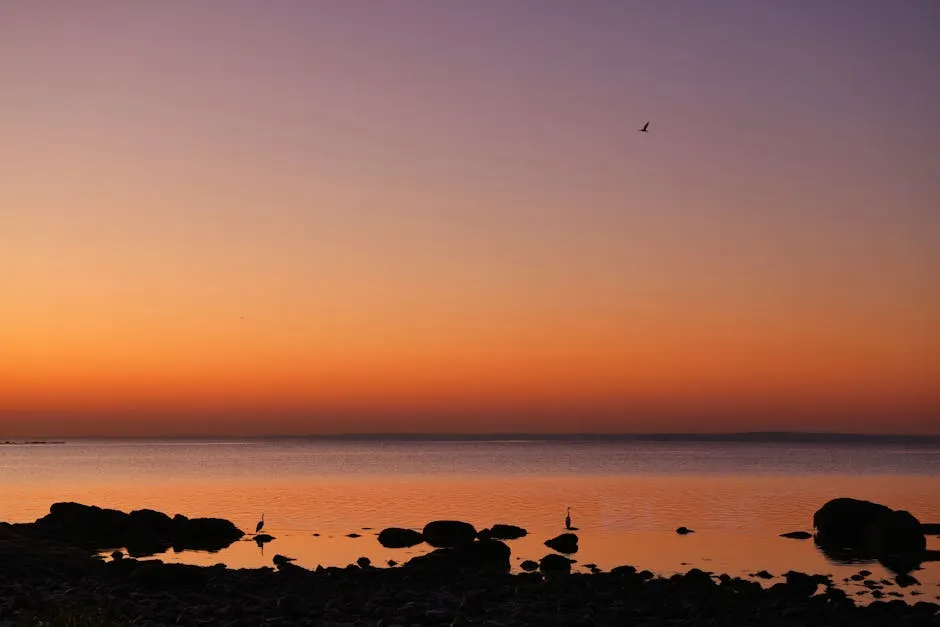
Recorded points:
(867, 529)
(449, 533)
(398, 538)
(552, 564)
(204, 534)
(482, 556)
(565, 543)
(507, 532)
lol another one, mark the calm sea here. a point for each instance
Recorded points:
(626, 497)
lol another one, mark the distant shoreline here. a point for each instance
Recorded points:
(742, 437)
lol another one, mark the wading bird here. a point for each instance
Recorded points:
(260, 523)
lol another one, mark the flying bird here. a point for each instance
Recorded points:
(645, 128)
(260, 523)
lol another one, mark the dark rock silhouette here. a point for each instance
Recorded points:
(500, 531)
(851, 529)
(364, 562)
(353, 535)
(449, 533)
(490, 556)
(398, 538)
(529, 566)
(684, 531)
(797, 535)
(280, 560)
(262, 538)
(623, 571)
(565, 543)
(763, 574)
(553, 563)
(142, 532)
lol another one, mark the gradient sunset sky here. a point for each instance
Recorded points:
(309, 217)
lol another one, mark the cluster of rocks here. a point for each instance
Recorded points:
(142, 532)
(50, 574)
(44, 582)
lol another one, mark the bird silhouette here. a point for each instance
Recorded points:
(645, 128)
(260, 523)
(568, 519)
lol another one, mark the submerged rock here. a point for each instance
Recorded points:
(398, 538)
(684, 531)
(565, 543)
(529, 566)
(797, 535)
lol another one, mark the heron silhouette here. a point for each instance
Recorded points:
(568, 519)
(260, 524)
(645, 128)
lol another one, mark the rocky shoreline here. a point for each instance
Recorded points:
(50, 574)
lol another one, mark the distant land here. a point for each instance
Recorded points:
(768, 437)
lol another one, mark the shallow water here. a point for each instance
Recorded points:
(626, 498)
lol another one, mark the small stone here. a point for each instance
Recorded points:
(682, 531)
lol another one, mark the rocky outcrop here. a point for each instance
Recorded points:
(143, 532)
(867, 529)
(490, 556)
(449, 533)
(399, 538)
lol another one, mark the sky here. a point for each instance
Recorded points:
(243, 217)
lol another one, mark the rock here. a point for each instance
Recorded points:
(529, 566)
(763, 574)
(797, 535)
(143, 532)
(565, 543)
(501, 531)
(904, 580)
(480, 556)
(353, 535)
(803, 585)
(280, 560)
(868, 529)
(623, 571)
(117, 555)
(204, 534)
(262, 538)
(398, 538)
(684, 531)
(449, 533)
(392, 563)
(553, 563)
(364, 562)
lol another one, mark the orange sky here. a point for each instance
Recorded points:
(302, 221)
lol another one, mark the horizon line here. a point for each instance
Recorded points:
(757, 436)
